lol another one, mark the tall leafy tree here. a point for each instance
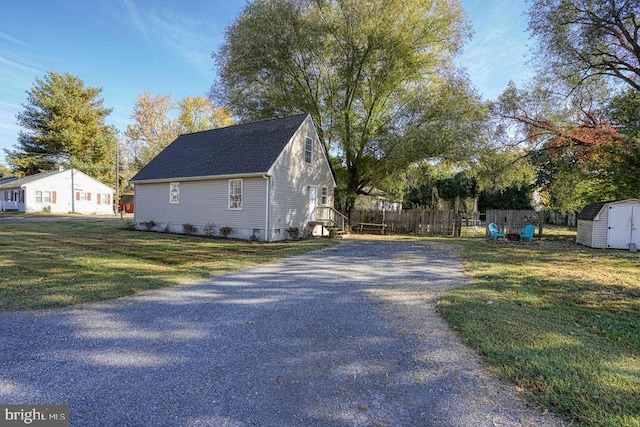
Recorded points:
(588, 52)
(153, 128)
(583, 39)
(64, 123)
(160, 119)
(4, 171)
(375, 75)
(198, 113)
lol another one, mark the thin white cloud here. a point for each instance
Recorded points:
(7, 37)
(187, 36)
(19, 64)
(135, 18)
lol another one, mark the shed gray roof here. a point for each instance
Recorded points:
(590, 211)
(249, 148)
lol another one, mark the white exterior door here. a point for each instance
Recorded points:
(620, 231)
(313, 202)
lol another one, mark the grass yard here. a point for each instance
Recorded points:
(54, 264)
(558, 320)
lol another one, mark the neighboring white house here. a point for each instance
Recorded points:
(613, 224)
(62, 191)
(261, 179)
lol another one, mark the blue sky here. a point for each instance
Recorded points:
(127, 47)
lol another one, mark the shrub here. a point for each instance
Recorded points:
(130, 225)
(167, 228)
(148, 225)
(208, 229)
(294, 232)
(189, 228)
(226, 231)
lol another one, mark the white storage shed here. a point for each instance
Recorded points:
(614, 224)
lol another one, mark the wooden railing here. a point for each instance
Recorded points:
(334, 217)
(8, 205)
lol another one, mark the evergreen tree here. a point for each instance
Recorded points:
(64, 126)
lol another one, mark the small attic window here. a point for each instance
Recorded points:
(308, 150)
(174, 192)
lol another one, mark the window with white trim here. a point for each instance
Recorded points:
(174, 192)
(324, 196)
(308, 150)
(235, 194)
(43, 196)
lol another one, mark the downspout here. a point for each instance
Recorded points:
(266, 207)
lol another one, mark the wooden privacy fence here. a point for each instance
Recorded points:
(435, 223)
(513, 221)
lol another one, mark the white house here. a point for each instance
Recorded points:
(62, 191)
(261, 179)
(614, 224)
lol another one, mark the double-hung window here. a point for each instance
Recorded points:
(324, 196)
(308, 150)
(44, 197)
(235, 194)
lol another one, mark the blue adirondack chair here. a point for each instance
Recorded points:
(528, 233)
(495, 232)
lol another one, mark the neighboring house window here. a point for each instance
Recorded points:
(308, 150)
(174, 192)
(235, 194)
(43, 197)
(324, 196)
(103, 199)
(81, 195)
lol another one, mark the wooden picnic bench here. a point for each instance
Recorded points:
(370, 227)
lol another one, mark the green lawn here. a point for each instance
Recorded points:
(559, 321)
(53, 264)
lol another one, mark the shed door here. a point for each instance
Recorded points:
(621, 232)
(635, 226)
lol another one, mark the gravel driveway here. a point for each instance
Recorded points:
(348, 336)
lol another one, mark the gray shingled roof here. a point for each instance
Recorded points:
(590, 211)
(27, 179)
(4, 180)
(249, 148)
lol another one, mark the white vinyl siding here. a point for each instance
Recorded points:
(585, 232)
(600, 228)
(235, 194)
(201, 203)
